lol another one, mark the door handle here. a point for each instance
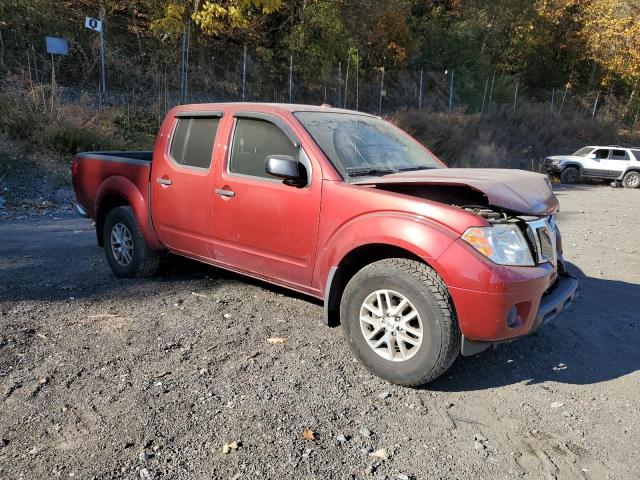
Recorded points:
(225, 193)
(163, 181)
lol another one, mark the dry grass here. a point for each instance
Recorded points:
(508, 139)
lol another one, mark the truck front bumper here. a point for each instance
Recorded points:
(497, 303)
(552, 304)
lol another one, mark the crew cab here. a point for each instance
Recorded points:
(417, 261)
(622, 165)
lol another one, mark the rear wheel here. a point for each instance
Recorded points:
(126, 250)
(570, 175)
(631, 180)
(400, 321)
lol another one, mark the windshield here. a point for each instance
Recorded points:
(360, 145)
(584, 151)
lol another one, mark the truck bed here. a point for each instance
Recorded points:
(91, 172)
(122, 157)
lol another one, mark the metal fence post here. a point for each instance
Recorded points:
(420, 91)
(451, 92)
(244, 73)
(484, 96)
(357, 80)
(493, 79)
(564, 95)
(103, 74)
(291, 79)
(339, 102)
(381, 91)
(346, 84)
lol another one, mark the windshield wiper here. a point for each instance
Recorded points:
(409, 169)
(358, 172)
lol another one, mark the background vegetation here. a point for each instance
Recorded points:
(529, 78)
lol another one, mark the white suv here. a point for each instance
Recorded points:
(622, 165)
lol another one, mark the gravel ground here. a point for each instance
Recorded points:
(107, 378)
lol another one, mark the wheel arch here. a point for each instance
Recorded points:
(108, 203)
(634, 169)
(118, 191)
(356, 259)
(572, 164)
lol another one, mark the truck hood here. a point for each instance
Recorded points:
(518, 191)
(566, 157)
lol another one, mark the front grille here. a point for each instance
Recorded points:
(543, 240)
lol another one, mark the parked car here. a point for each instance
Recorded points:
(622, 165)
(418, 262)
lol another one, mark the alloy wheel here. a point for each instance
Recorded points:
(391, 325)
(122, 244)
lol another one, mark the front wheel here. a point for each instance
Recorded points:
(125, 247)
(631, 180)
(400, 321)
(570, 175)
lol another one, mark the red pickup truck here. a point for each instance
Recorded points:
(417, 261)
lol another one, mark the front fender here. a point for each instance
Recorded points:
(124, 188)
(416, 234)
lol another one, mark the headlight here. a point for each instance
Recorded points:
(503, 244)
(557, 161)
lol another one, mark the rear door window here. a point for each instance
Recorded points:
(253, 141)
(619, 155)
(193, 140)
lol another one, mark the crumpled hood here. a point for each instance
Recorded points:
(519, 191)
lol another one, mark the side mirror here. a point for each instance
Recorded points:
(592, 156)
(291, 171)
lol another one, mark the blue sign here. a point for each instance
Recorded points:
(57, 46)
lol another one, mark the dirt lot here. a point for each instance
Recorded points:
(106, 378)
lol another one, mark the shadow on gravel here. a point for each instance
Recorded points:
(594, 341)
(56, 261)
(562, 188)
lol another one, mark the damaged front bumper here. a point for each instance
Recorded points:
(555, 301)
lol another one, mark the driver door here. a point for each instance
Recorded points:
(595, 165)
(261, 225)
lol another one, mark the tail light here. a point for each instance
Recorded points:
(74, 168)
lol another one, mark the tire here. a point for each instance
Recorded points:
(570, 175)
(631, 180)
(427, 295)
(122, 227)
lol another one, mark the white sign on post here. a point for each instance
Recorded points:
(93, 24)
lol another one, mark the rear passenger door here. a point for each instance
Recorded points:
(261, 225)
(182, 184)
(618, 162)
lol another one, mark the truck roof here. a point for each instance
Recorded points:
(287, 107)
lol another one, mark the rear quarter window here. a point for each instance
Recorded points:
(636, 154)
(193, 140)
(619, 155)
